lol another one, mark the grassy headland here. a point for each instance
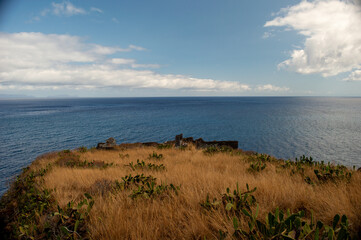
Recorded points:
(135, 192)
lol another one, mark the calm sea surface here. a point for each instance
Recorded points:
(327, 129)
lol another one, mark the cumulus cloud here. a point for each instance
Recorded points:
(332, 31)
(35, 50)
(52, 61)
(354, 76)
(67, 9)
(271, 88)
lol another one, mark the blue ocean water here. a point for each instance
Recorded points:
(327, 129)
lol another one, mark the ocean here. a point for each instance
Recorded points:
(328, 129)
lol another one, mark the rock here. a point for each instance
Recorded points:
(231, 144)
(178, 140)
(188, 140)
(151, 144)
(109, 144)
(200, 143)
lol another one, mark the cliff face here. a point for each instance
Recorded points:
(177, 191)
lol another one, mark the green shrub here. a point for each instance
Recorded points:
(210, 150)
(144, 186)
(70, 221)
(164, 146)
(155, 156)
(256, 166)
(277, 225)
(82, 149)
(144, 165)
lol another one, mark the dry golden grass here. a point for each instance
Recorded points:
(116, 216)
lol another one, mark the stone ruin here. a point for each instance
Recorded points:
(200, 143)
(109, 144)
(178, 142)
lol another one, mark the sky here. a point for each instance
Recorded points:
(134, 48)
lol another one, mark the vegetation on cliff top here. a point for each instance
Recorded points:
(135, 192)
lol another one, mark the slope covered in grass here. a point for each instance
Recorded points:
(135, 192)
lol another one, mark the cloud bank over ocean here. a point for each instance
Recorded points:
(52, 61)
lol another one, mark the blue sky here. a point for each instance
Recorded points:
(180, 48)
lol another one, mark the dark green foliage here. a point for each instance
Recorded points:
(287, 164)
(182, 147)
(238, 201)
(256, 166)
(151, 189)
(207, 204)
(263, 157)
(222, 235)
(211, 150)
(93, 164)
(68, 158)
(144, 165)
(34, 214)
(281, 226)
(144, 186)
(70, 221)
(214, 149)
(233, 202)
(332, 173)
(32, 202)
(164, 146)
(324, 172)
(305, 160)
(278, 225)
(155, 156)
(298, 166)
(82, 149)
(295, 226)
(129, 181)
(258, 162)
(309, 181)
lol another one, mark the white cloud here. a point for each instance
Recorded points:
(45, 12)
(354, 76)
(115, 20)
(49, 61)
(132, 63)
(133, 47)
(271, 88)
(267, 35)
(66, 8)
(94, 9)
(136, 65)
(332, 31)
(122, 61)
